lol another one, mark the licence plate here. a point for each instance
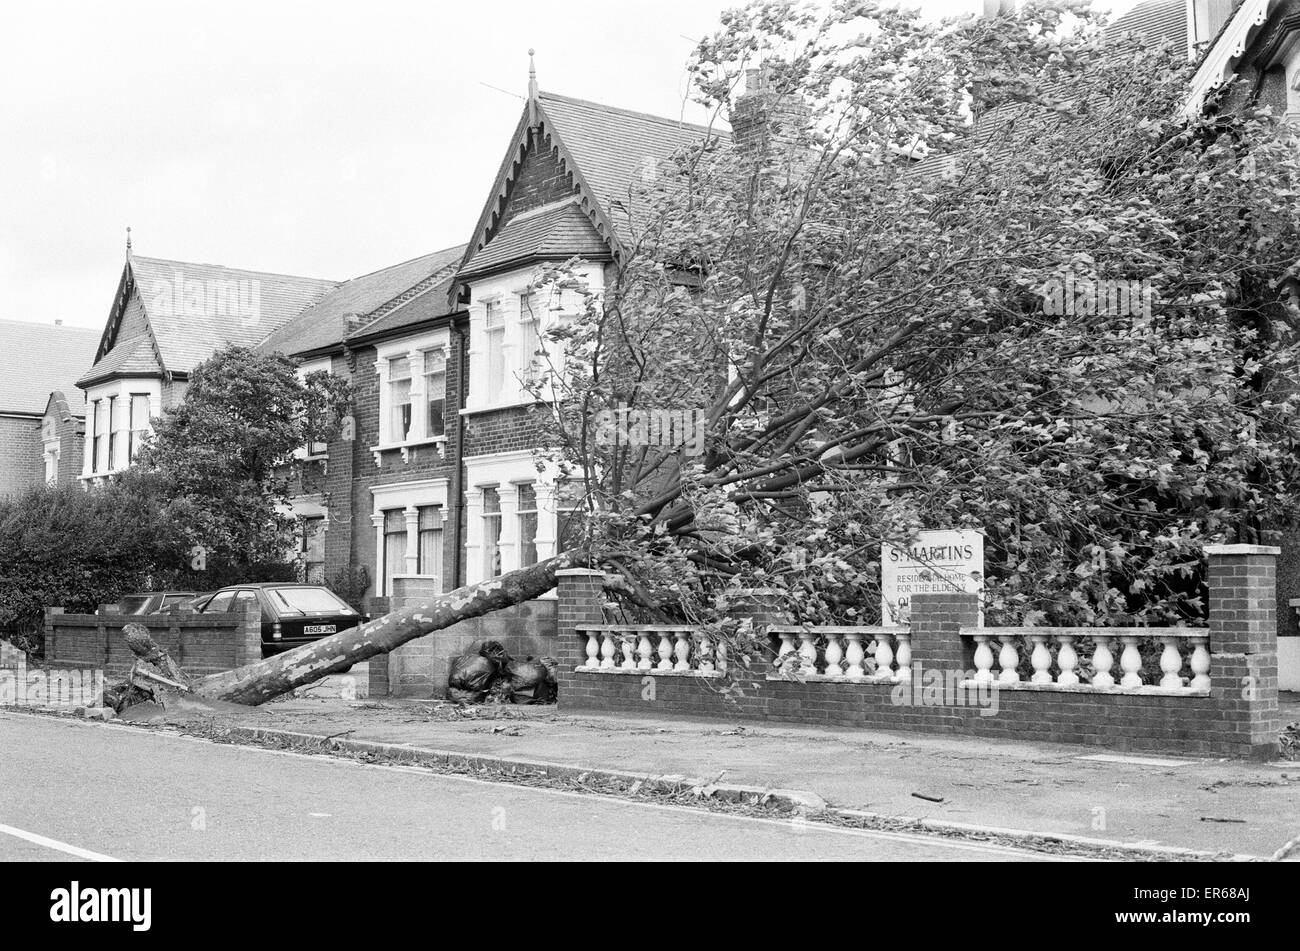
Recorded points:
(319, 628)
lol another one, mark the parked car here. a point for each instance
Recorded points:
(292, 614)
(155, 602)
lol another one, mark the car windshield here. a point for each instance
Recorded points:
(309, 601)
(135, 603)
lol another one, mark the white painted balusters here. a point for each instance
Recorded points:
(1130, 661)
(643, 651)
(1200, 662)
(1008, 659)
(665, 652)
(593, 650)
(834, 655)
(983, 660)
(854, 655)
(1102, 661)
(683, 650)
(628, 640)
(1068, 669)
(903, 656)
(1067, 659)
(607, 651)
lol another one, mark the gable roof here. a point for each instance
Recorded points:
(187, 339)
(328, 321)
(36, 359)
(556, 231)
(604, 149)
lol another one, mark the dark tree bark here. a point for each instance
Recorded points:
(256, 683)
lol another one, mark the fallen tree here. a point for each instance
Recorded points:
(256, 683)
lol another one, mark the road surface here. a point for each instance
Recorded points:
(73, 790)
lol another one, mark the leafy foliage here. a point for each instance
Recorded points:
(225, 454)
(76, 549)
(872, 341)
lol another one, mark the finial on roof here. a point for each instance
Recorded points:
(532, 89)
(128, 241)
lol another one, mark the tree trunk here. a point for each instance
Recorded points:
(257, 683)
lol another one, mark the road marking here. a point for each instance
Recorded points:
(811, 825)
(56, 845)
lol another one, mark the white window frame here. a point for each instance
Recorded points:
(306, 453)
(509, 292)
(505, 472)
(122, 391)
(410, 497)
(413, 348)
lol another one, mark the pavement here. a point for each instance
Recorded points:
(75, 790)
(1145, 800)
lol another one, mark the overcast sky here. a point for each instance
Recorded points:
(322, 138)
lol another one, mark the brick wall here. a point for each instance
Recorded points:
(540, 181)
(200, 643)
(21, 460)
(1239, 717)
(419, 668)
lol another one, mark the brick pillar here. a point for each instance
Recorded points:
(248, 636)
(1243, 642)
(580, 596)
(51, 645)
(935, 622)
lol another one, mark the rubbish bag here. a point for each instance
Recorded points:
(472, 674)
(530, 681)
(495, 651)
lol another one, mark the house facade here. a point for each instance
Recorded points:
(41, 411)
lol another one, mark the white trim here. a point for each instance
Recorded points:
(413, 349)
(1220, 59)
(409, 497)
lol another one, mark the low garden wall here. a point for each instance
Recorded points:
(1210, 690)
(200, 643)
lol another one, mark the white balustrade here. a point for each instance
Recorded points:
(607, 651)
(884, 657)
(643, 651)
(1096, 671)
(593, 650)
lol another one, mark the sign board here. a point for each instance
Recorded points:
(933, 562)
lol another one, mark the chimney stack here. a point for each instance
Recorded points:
(762, 117)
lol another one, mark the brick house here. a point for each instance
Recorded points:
(383, 495)
(562, 192)
(166, 318)
(41, 412)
